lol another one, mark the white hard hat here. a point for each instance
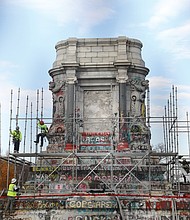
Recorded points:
(13, 180)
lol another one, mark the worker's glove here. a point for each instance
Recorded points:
(17, 188)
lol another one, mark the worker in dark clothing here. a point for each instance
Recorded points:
(185, 165)
(11, 194)
(42, 134)
(17, 137)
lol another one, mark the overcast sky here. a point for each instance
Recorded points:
(31, 28)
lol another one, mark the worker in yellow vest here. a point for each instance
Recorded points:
(17, 137)
(11, 194)
(44, 130)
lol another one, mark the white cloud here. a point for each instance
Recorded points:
(171, 27)
(183, 97)
(157, 110)
(176, 40)
(7, 64)
(164, 11)
(183, 89)
(6, 71)
(159, 82)
(180, 95)
(83, 13)
(160, 91)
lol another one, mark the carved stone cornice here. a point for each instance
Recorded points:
(122, 75)
(138, 69)
(71, 80)
(71, 76)
(56, 71)
(122, 63)
(70, 65)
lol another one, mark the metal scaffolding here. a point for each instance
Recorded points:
(108, 170)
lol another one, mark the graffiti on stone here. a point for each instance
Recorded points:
(95, 138)
(95, 142)
(95, 217)
(94, 209)
(62, 181)
(90, 204)
(39, 204)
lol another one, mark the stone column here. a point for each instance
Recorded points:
(62, 87)
(122, 64)
(56, 134)
(122, 79)
(70, 65)
(71, 80)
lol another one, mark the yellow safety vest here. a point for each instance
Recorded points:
(16, 135)
(44, 128)
(11, 191)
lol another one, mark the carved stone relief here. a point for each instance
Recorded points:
(56, 135)
(138, 94)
